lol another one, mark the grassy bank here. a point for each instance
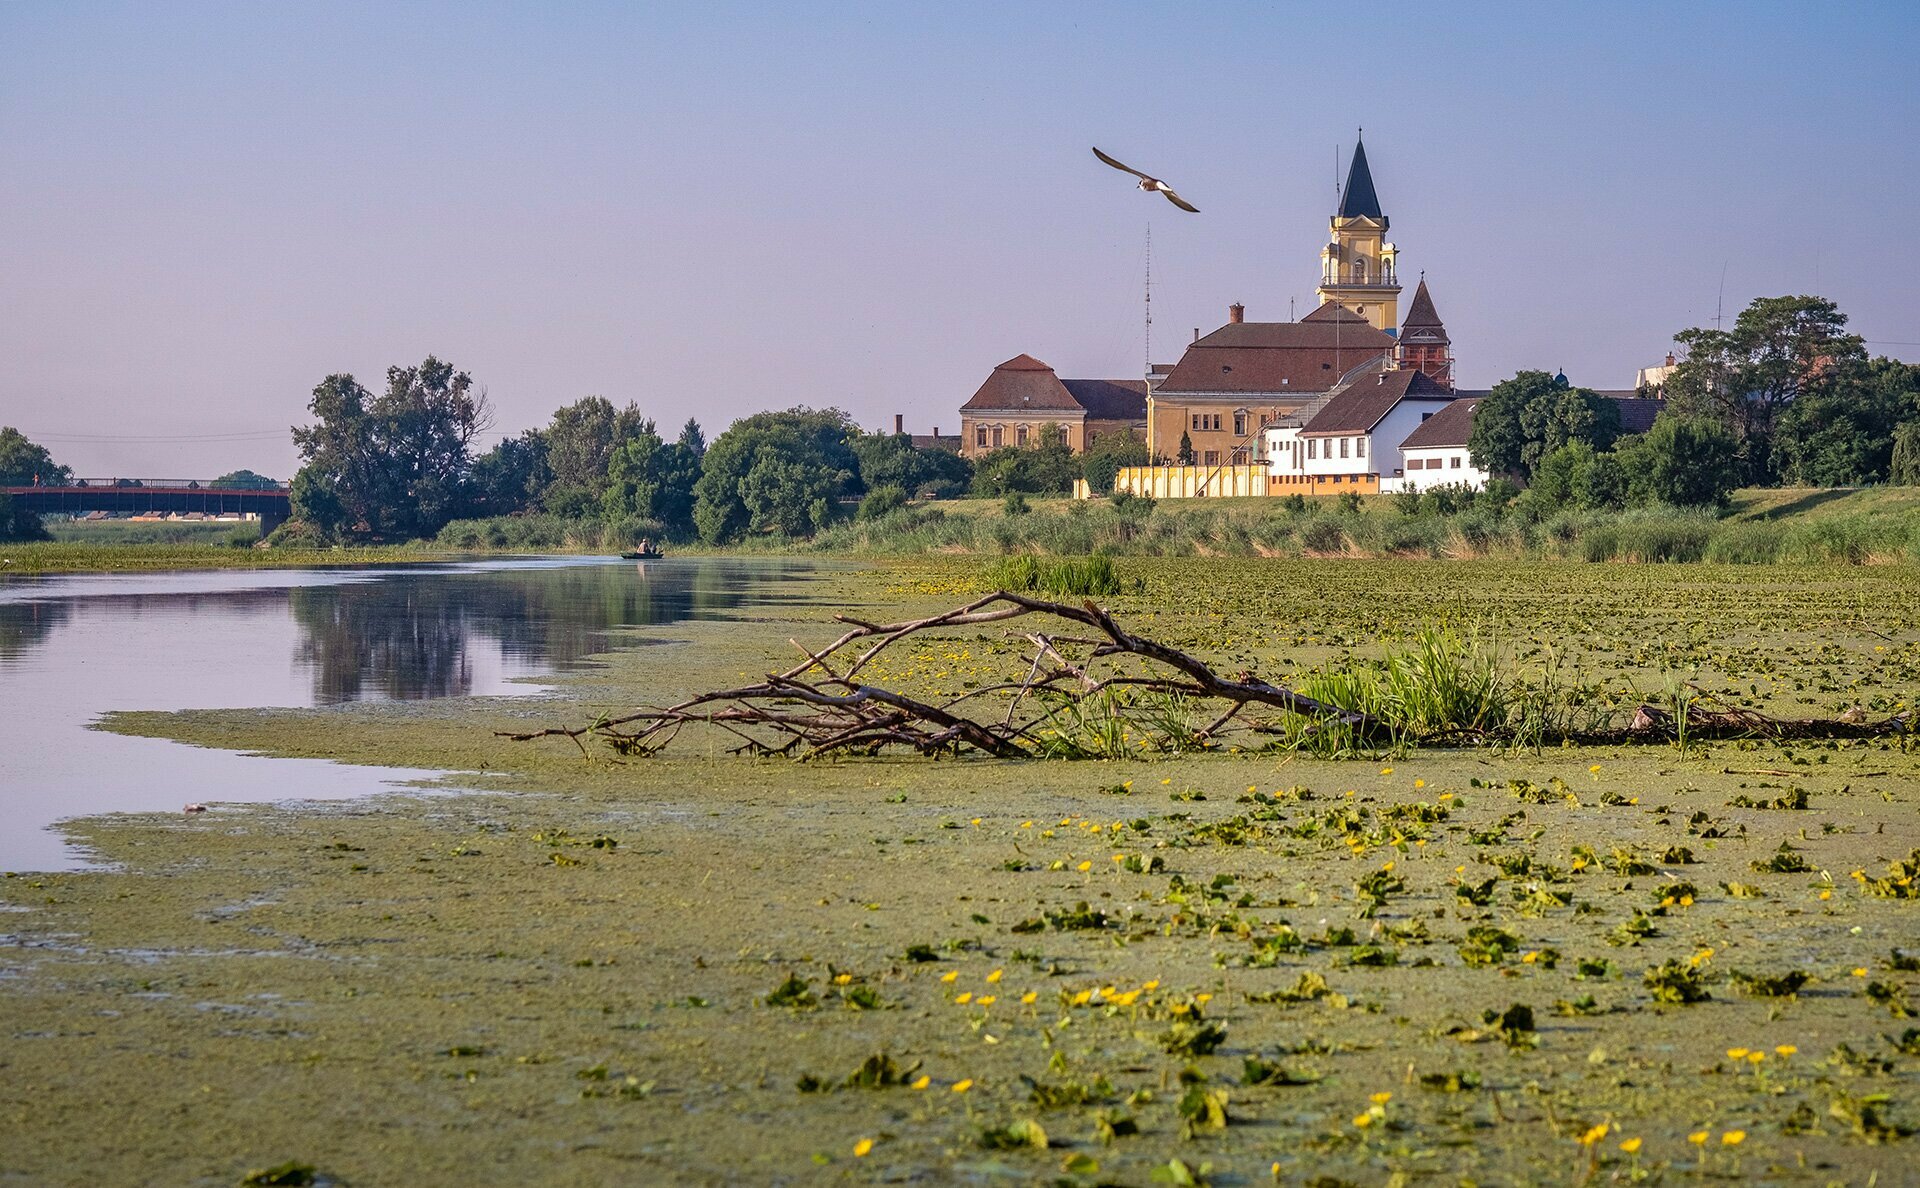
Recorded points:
(68, 556)
(1497, 966)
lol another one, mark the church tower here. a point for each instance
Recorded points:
(1357, 267)
(1424, 345)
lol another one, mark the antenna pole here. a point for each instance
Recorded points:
(1720, 300)
(1147, 370)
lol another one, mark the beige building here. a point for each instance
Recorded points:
(1023, 397)
(1233, 383)
(1358, 267)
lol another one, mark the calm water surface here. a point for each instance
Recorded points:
(73, 648)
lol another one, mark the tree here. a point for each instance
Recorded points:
(24, 463)
(651, 479)
(1046, 469)
(1527, 417)
(511, 476)
(1577, 475)
(1906, 455)
(1684, 461)
(892, 460)
(1185, 454)
(396, 465)
(580, 445)
(1839, 431)
(243, 480)
(775, 472)
(1104, 458)
(1747, 377)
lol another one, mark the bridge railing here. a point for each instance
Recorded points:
(164, 484)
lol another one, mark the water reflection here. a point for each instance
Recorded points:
(73, 648)
(409, 637)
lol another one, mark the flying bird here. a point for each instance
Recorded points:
(1152, 185)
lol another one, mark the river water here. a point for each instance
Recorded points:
(75, 647)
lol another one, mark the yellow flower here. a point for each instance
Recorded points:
(962, 1085)
(923, 1082)
(1363, 1120)
(964, 997)
(1736, 1053)
(1861, 972)
(861, 1148)
(1419, 783)
(950, 975)
(1700, 958)
(1733, 1138)
(1594, 1135)
(1026, 824)
(976, 820)
(1083, 998)
(1826, 893)
(1027, 999)
(1785, 1050)
(1381, 1098)
(1168, 780)
(1631, 1146)
(994, 976)
(1084, 867)
(1153, 985)
(987, 1000)
(842, 979)
(1698, 1138)
(1386, 771)
(1594, 770)
(1755, 1057)
(1529, 957)
(1203, 999)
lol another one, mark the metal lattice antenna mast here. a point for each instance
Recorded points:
(1148, 368)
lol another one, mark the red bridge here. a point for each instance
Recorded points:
(132, 496)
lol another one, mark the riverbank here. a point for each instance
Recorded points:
(696, 968)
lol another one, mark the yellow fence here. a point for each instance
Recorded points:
(1200, 482)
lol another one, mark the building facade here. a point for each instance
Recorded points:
(1352, 442)
(1022, 399)
(1436, 454)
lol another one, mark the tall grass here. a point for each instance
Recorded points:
(1063, 576)
(1278, 528)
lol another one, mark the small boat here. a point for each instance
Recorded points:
(643, 555)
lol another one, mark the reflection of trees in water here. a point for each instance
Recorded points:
(408, 636)
(24, 625)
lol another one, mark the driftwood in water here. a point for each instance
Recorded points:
(821, 706)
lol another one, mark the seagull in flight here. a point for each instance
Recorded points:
(1150, 184)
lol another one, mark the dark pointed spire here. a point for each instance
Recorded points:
(1358, 198)
(1421, 315)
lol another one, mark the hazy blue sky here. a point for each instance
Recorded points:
(711, 208)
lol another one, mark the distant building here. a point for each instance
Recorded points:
(1352, 441)
(1233, 383)
(1435, 452)
(1023, 396)
(1654, 379)
(1358, 266)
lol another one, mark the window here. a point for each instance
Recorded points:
(1091, 438)
(1357, 272)
(980, 436)
(1212, 458)
(1195, 418)
(1312, 448)
(1343, 447)
(999, 437)
(1020, 435)
(1239, 424)
(1359, 447)
(1454, 461)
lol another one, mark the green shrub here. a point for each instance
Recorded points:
(880, 502)
(1061, 575)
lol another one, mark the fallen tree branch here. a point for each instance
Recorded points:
(1075, 693)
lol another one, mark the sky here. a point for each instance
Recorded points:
(710, 208)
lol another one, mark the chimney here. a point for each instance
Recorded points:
(1236, 314)
(899, 424)
(936, 433)
(1196, 334)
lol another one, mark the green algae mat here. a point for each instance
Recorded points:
(1571, 966)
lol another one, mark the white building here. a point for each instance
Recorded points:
(1435, 452)
(1352, 441)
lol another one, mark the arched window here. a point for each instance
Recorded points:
(1357, 272)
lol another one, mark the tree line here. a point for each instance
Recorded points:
(1784, 397)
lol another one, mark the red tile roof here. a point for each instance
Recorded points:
(1303, 357)
(1360, 407)
(1025, 384)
